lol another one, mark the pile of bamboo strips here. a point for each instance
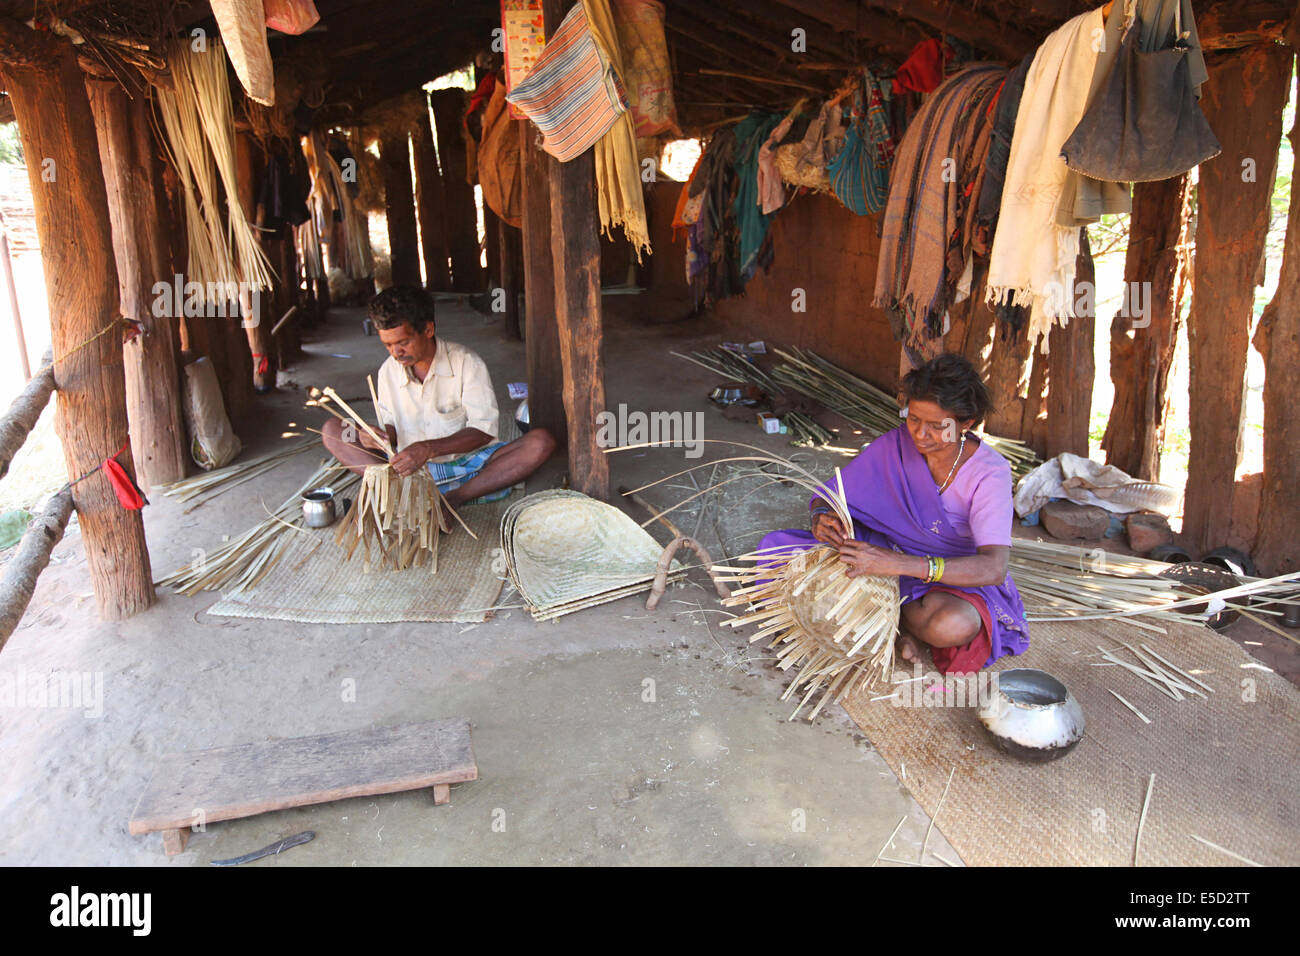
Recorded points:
(229, 477)
(871, 409)
(240, 564)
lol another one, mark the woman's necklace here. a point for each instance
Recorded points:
(960, 449)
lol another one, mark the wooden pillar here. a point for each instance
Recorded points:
(399, 205)
(49, 97)
(1277, 548)
(508, 256)
(1142, 346)
(492, 247)
(142, 250)
(575, 251)
(432, 208)
(542, 336)
(1243, 101)
(1071, 369)
(1010, 364)
(461, 215)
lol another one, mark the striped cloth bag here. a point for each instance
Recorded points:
(572, 93)
(860, 173)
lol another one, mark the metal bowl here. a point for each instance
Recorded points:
(1032, 715)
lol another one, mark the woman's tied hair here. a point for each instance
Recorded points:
(402, 305)
(951, 382)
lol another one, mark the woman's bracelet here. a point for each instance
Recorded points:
(933, 569)
(822, 510)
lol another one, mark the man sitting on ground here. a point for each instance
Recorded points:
(437, 405)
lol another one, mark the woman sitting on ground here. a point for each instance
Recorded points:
(931, 504)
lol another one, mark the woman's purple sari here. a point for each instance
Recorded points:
(895, 504)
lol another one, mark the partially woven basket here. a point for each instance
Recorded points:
(839, 631)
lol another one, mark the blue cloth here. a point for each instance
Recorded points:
(452, 474)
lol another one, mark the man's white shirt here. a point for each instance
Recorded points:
(457, 393)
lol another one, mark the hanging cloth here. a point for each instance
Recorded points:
(243, 32)
(1033, 259)
(619, 192)
(922, 71)
(1145, 124)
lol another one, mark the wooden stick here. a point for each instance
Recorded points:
(890, 840)
(275, 330)
(1145, 718)
(1137, 844)
(939, 808)
(1235, 856)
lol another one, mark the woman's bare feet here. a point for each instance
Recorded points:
(909, 648)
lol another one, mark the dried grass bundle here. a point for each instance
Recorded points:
(329, 194)
(200, 138)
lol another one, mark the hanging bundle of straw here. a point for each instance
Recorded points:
(200, 138)
(329, 194)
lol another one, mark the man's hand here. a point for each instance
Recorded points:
(411, 458)
(828, 529)
(863, 558)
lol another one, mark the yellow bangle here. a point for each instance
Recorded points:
(938, 571)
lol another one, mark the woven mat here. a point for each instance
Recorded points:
(1226, 768)
(315, 584)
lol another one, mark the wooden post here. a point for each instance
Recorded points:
(1277, 547)
(142, 249)
(432, 207)
(1071, 368)
(575, 251)
(461, 216)
(1142, 346)
(399, 204)
(1008, 381)
(508, 257)
(48, 93)
(1243, 101)
(542, 336)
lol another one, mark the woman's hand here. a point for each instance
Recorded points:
(863, 558)
(411, 458)
(828, 529)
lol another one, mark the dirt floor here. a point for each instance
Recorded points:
(575, 765)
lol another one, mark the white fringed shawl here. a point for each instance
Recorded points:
(1033, 259)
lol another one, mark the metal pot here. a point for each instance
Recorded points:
(318, 508)
(1032, 715)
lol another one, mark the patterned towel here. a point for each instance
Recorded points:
(572, 93)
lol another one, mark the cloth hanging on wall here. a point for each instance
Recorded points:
(572, 94)
(1033, 259)
(751, 222)
(922, 71)
(619, 192)
(294, 17)
(771, 188)
(498, 161)
(921, 210)
(646, 70)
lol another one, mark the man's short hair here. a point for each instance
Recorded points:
(402, 305)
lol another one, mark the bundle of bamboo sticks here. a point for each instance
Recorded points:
(240, 564)
(400, 516)
(223, 479)
(866, 406)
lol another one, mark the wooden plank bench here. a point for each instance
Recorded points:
(226, 783)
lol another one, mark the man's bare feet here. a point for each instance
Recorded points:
(909, 648)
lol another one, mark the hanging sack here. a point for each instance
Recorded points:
(1145, 123)
(860, 173)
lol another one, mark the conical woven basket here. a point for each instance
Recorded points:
(838, 631)
(565, 551)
